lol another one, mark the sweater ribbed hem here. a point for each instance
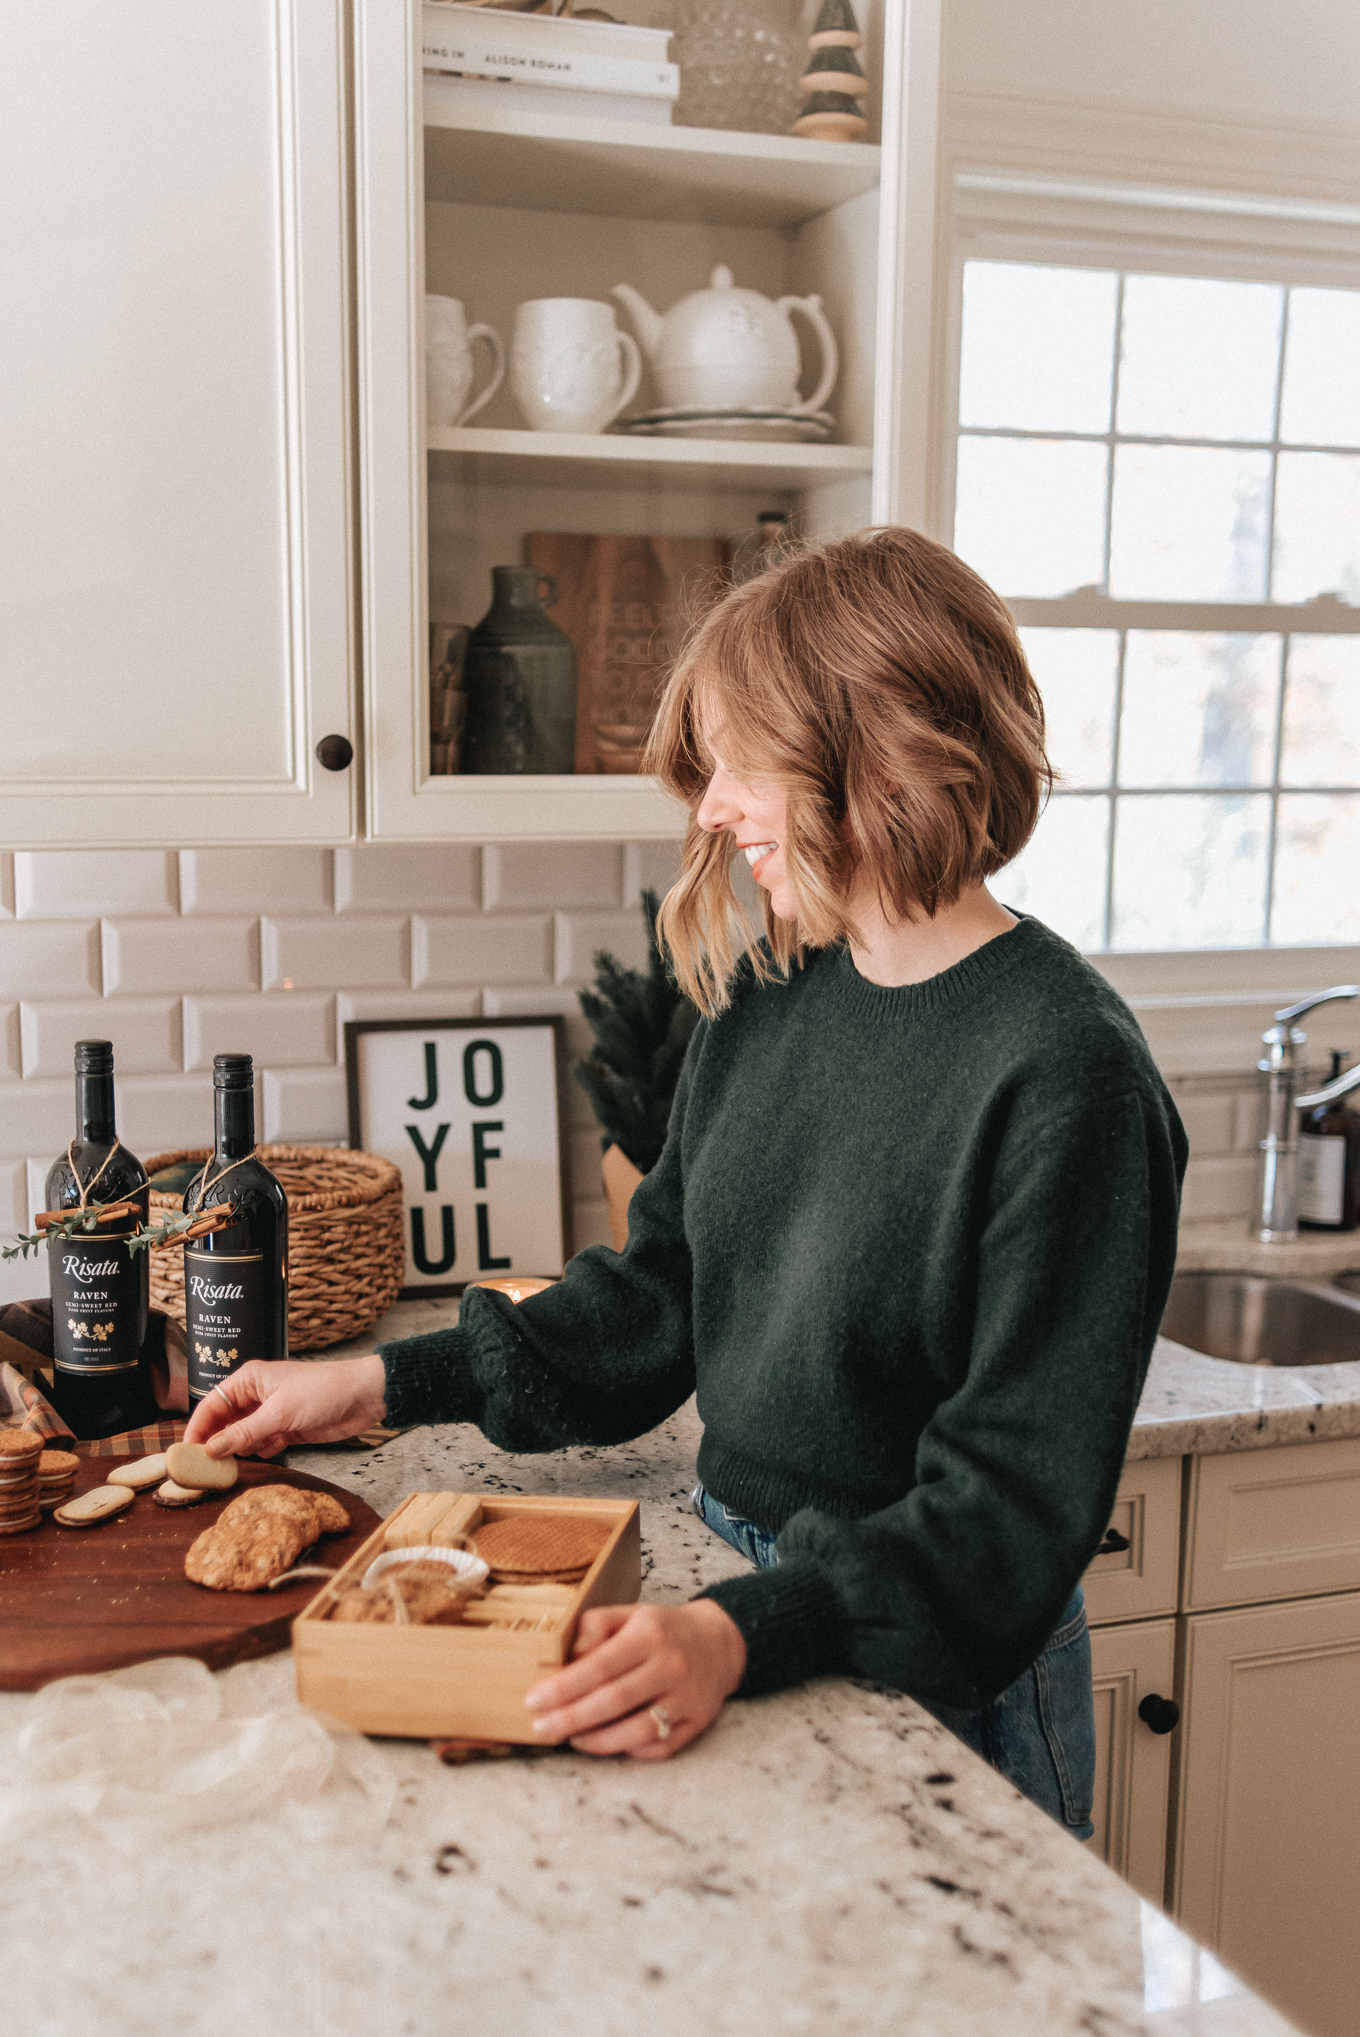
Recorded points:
(961, 983)
(429, 1379)
(790, 1620)
(769, 1498)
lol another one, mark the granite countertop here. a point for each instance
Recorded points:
(826, 1860)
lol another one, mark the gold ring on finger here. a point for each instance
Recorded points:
(664, 1726)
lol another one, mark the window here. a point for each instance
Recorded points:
(1161, 474)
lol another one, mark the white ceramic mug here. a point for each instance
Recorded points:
(567, 364)
(449, 371)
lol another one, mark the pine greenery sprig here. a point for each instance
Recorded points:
(642, 1023)
(79, 1221)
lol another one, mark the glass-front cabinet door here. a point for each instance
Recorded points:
(608, 359)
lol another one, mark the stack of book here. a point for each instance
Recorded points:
(548, 64)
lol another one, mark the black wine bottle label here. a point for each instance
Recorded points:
(225, 1310)
(96, 1305)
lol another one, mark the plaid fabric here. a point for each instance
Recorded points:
(143, 1442)
(23, 1405)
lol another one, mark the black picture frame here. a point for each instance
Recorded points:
(371, 1137)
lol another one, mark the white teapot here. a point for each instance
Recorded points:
(730, 349)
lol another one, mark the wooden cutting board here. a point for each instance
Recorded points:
(75, 1600)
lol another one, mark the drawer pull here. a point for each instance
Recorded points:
(1113, 1543)
(1159, 1714)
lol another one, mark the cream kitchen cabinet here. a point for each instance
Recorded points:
(176, 583)
(1131, 1663)
(495, 207)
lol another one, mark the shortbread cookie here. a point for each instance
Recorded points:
(141, 1475)
(173, 1495)
(190, 1464)
(93, 1507)
(245, 1555)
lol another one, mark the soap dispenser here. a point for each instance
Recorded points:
(1328, 1173)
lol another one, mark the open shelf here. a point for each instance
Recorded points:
(547, 163)
(549, 809)
(596, 459)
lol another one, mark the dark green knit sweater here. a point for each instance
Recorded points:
(912, 1247)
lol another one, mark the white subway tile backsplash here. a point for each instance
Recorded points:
(319, 954)
(82, 883)
(649, 866)
(1210, 1122)
(6, 884)
(10, 1063)
(522, 875)
(502, 949)
(255, 880)
(580, 935)
(1219, 1187)
(145, 1034)
(284, 1029)
(306, 1107)
(377, 877)
(36, 1117)
(47, 960)
(13, 1198)
(141, 956)
(395, 1004)
(160, 1114)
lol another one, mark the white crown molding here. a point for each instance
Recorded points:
(1109, 139)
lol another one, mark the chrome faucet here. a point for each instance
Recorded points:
(1276, 1218)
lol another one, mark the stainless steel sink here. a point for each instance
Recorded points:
(1263, 1322)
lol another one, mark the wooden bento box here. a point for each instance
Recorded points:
(466, 1681)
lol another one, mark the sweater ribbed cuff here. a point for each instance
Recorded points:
(429, 1379)
(790, 1620)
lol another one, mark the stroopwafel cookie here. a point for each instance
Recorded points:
(540, 1548)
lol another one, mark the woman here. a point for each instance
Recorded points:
(913, 1228)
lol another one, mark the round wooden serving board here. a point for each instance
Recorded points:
(74, 1600)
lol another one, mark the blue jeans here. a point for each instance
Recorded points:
(1040, 1733)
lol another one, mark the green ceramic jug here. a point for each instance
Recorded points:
(520, 679)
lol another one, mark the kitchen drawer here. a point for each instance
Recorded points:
(1274, 1524)
(1137, 1579)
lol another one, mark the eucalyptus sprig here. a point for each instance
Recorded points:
(58, 1224)
(176, 1228)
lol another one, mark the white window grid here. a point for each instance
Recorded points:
(1092, 607)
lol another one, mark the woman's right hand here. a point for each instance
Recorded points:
(260, 1410)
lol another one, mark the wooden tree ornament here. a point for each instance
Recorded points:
(833, 85)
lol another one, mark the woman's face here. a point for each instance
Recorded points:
(758, 817)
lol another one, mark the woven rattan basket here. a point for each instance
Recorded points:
(346, 1240)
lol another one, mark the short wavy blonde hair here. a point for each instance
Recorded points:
(881, 685)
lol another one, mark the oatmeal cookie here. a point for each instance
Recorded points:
(246, 1555)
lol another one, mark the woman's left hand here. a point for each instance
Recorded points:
(682, 1660)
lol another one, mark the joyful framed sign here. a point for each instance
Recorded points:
(471, 1111)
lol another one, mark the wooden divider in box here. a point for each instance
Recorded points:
(467, 1681)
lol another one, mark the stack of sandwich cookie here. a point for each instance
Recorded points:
(56, 1475)
(20, 1454)
(540, 1548)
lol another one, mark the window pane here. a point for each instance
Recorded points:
(1030, 513)
(1190, 870)
(1199, 708)
(1321, 402)
(1188, 525)
(1038, 347)
(1059, 875)
(1321, 737)
(1317, 526)
(1076, 671)
(1199, 359)
(1317, 868)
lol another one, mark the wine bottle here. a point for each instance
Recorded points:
(236, 1278)
(1329, 1163)
(101, 1381)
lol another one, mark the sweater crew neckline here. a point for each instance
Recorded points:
(962, 980)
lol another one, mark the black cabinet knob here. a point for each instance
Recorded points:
(335, 753)
(1113, 1543)
(1159, 1714)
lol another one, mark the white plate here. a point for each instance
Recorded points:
(786, 425)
